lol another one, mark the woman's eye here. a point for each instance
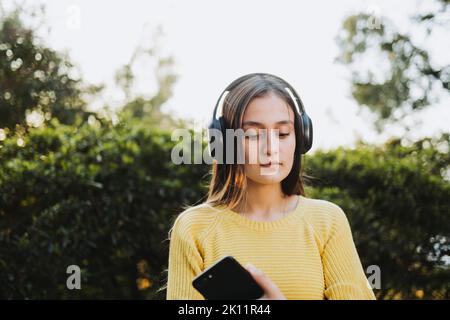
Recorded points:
(256, 136)
(252, 134)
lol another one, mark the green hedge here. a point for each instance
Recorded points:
(99, 197)
(397, 199)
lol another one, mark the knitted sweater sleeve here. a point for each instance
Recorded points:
(343, 271)
(185, 261)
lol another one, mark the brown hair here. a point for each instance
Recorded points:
(228, 181)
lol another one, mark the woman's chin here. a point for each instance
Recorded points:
(269, 178)
(266, 175)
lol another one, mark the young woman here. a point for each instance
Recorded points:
(257, 211)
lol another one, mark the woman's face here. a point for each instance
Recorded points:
(268, 123)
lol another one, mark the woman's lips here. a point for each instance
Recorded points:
(270, 164)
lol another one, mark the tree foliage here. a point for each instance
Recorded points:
(36, 82)
(392, 75)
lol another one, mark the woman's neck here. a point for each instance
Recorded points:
(266, 202)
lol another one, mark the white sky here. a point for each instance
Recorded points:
(214, 42)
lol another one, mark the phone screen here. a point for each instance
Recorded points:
(227, 279)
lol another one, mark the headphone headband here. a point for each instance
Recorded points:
(290, 90)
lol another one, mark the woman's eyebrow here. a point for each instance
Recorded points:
(259, 124)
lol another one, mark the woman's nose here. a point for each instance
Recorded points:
(269, 144)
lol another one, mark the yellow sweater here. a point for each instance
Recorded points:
(309, 253)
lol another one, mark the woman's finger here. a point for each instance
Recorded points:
(270, 288)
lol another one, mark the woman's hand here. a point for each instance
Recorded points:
(271, 291)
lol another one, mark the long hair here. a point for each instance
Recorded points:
(228, 181)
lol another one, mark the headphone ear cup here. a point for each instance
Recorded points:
(307, 133)
(223, 140)
(219, 142)
(212, 138)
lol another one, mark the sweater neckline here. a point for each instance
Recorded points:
(286, 220)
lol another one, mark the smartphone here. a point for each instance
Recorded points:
(227, 279)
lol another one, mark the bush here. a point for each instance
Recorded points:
(397, 201)
(100, 197)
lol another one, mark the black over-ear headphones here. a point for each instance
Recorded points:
(218, 123)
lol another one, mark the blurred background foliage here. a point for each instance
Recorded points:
(98, 189)
(36, 82)
(401, 77)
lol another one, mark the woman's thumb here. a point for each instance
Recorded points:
(259, 277)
